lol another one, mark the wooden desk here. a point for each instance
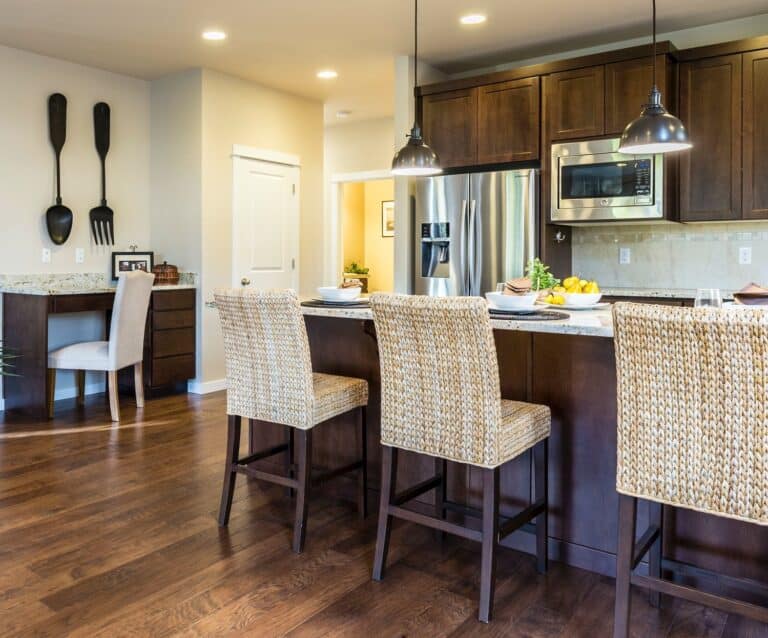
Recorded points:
(169, 341)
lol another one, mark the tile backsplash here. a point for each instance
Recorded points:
(673, 255)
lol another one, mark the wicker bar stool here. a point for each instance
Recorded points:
(440, 396)
(270, 378)
(692, 433)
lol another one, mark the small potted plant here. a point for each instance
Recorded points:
(5, 365)
(356, 271)
(542, 281)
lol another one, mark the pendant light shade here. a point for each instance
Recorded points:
(655, 130)
(416, 158)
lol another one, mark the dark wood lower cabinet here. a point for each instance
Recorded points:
(576, 377)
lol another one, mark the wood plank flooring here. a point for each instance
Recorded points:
(111, 531)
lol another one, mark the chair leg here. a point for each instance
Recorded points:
(655, 553)
(540, 463)
(362, 487)
(384, 529)
(138, 382)
(251, 441)
(50, 391)
(304, 454)
(80, 379)
(626, 544)
(114, 402)
(233, 453)
(288, 455)
(489, 543)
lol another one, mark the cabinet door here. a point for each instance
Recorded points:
(576, 104)
(627, 85)
(508, 121)
(710, 107)
(755, 136)
(449, 122)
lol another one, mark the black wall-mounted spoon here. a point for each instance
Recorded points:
(58, 218)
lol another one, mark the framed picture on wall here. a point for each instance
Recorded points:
(388, 219)
(127, 262)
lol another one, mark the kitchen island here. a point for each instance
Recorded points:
(569, 366)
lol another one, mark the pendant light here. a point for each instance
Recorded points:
(416, 158)
(655, 130)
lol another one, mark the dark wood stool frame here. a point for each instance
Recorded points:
(631, 552)
(494, 527)
(298, 451)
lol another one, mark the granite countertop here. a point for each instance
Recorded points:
(661, 293)
(76, 284)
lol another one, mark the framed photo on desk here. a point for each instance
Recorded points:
(128, 262)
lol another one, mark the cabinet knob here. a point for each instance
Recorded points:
(245, 281)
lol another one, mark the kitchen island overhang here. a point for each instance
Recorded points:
(569, 366)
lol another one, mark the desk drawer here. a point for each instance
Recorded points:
(167, 343)
(173, 299)
(169, 319)
(81, 303)
(172, 370)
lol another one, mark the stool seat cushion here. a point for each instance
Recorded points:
(335, 395)
(88, 355)
(523, 425)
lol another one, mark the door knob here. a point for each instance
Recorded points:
(245, 281)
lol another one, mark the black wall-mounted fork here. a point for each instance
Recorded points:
(102, 217)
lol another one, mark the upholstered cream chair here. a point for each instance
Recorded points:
(692, 432)
(125, 346)
(440, 396)
(270, 378)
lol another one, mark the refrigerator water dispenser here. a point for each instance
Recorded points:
(435, 253)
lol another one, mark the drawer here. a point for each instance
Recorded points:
(169, 319)
(168, 343)
(81, 303)
(172, 370)
(173, 299)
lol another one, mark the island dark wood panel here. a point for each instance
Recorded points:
(576, 377)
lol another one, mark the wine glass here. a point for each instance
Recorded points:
(708, 298)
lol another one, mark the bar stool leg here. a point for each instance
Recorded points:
(362, 498)
(289, 458)
(627, 518)
(541, 463)
(388, 483)
(304, 453)
(233, 452)
(490, 541)
(654, 554)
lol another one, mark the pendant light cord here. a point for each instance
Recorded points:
(654, 44)
(416, 42)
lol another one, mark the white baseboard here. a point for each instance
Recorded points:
(2, 405)
(206, 387)
(71, 392)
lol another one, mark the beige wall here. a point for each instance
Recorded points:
(353, 223)
(27, 175)
(379, 251)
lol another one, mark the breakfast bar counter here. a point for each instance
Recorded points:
(569, 366)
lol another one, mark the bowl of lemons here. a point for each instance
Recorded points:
(574, 291)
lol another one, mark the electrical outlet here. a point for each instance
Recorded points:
(745, 255)
(46, 255)
(79, 255)
(625, 255)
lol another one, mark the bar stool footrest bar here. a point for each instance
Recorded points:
(644, 544)
(435, 523)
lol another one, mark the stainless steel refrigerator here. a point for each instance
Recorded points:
(472, 231)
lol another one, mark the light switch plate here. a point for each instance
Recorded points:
(46, 255)
(79, 255)
(745, 255)
(625, 255)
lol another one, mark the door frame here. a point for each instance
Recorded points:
(334, 260)
(242, 153)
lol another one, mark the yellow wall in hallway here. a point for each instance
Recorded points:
(353, 223)
(379, 251)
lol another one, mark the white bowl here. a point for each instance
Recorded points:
(512, 302)
(581, 298)
(333, 293)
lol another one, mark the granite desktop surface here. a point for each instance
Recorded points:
(76, 283)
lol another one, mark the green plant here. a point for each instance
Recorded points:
(541, 278)
(5, 366)
(356, 269)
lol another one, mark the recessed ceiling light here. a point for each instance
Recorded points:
(214, 35)
(327, 74)
(473, 18)
(343, 113)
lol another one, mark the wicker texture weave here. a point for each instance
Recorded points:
(692, 409)
(440, 390)
(269, 371)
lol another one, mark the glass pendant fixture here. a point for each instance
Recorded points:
(416, 158)
(655, 130)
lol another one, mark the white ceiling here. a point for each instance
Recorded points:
(282, 43)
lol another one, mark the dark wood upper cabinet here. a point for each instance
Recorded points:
(508, 121)
(449, 123)
(575, 103)
(755, 136)
(710, 108)
(627, 85)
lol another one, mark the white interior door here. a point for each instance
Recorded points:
(265, 224)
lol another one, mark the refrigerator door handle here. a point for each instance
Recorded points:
(463, 243)
(474, 240)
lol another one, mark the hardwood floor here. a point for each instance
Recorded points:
(110, 530)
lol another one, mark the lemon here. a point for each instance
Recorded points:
(583, 283)
(575, 288)
(549, 298)
(559, 289)
(558, 300)
(570, 281)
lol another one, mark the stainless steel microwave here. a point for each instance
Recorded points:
(593, 182)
